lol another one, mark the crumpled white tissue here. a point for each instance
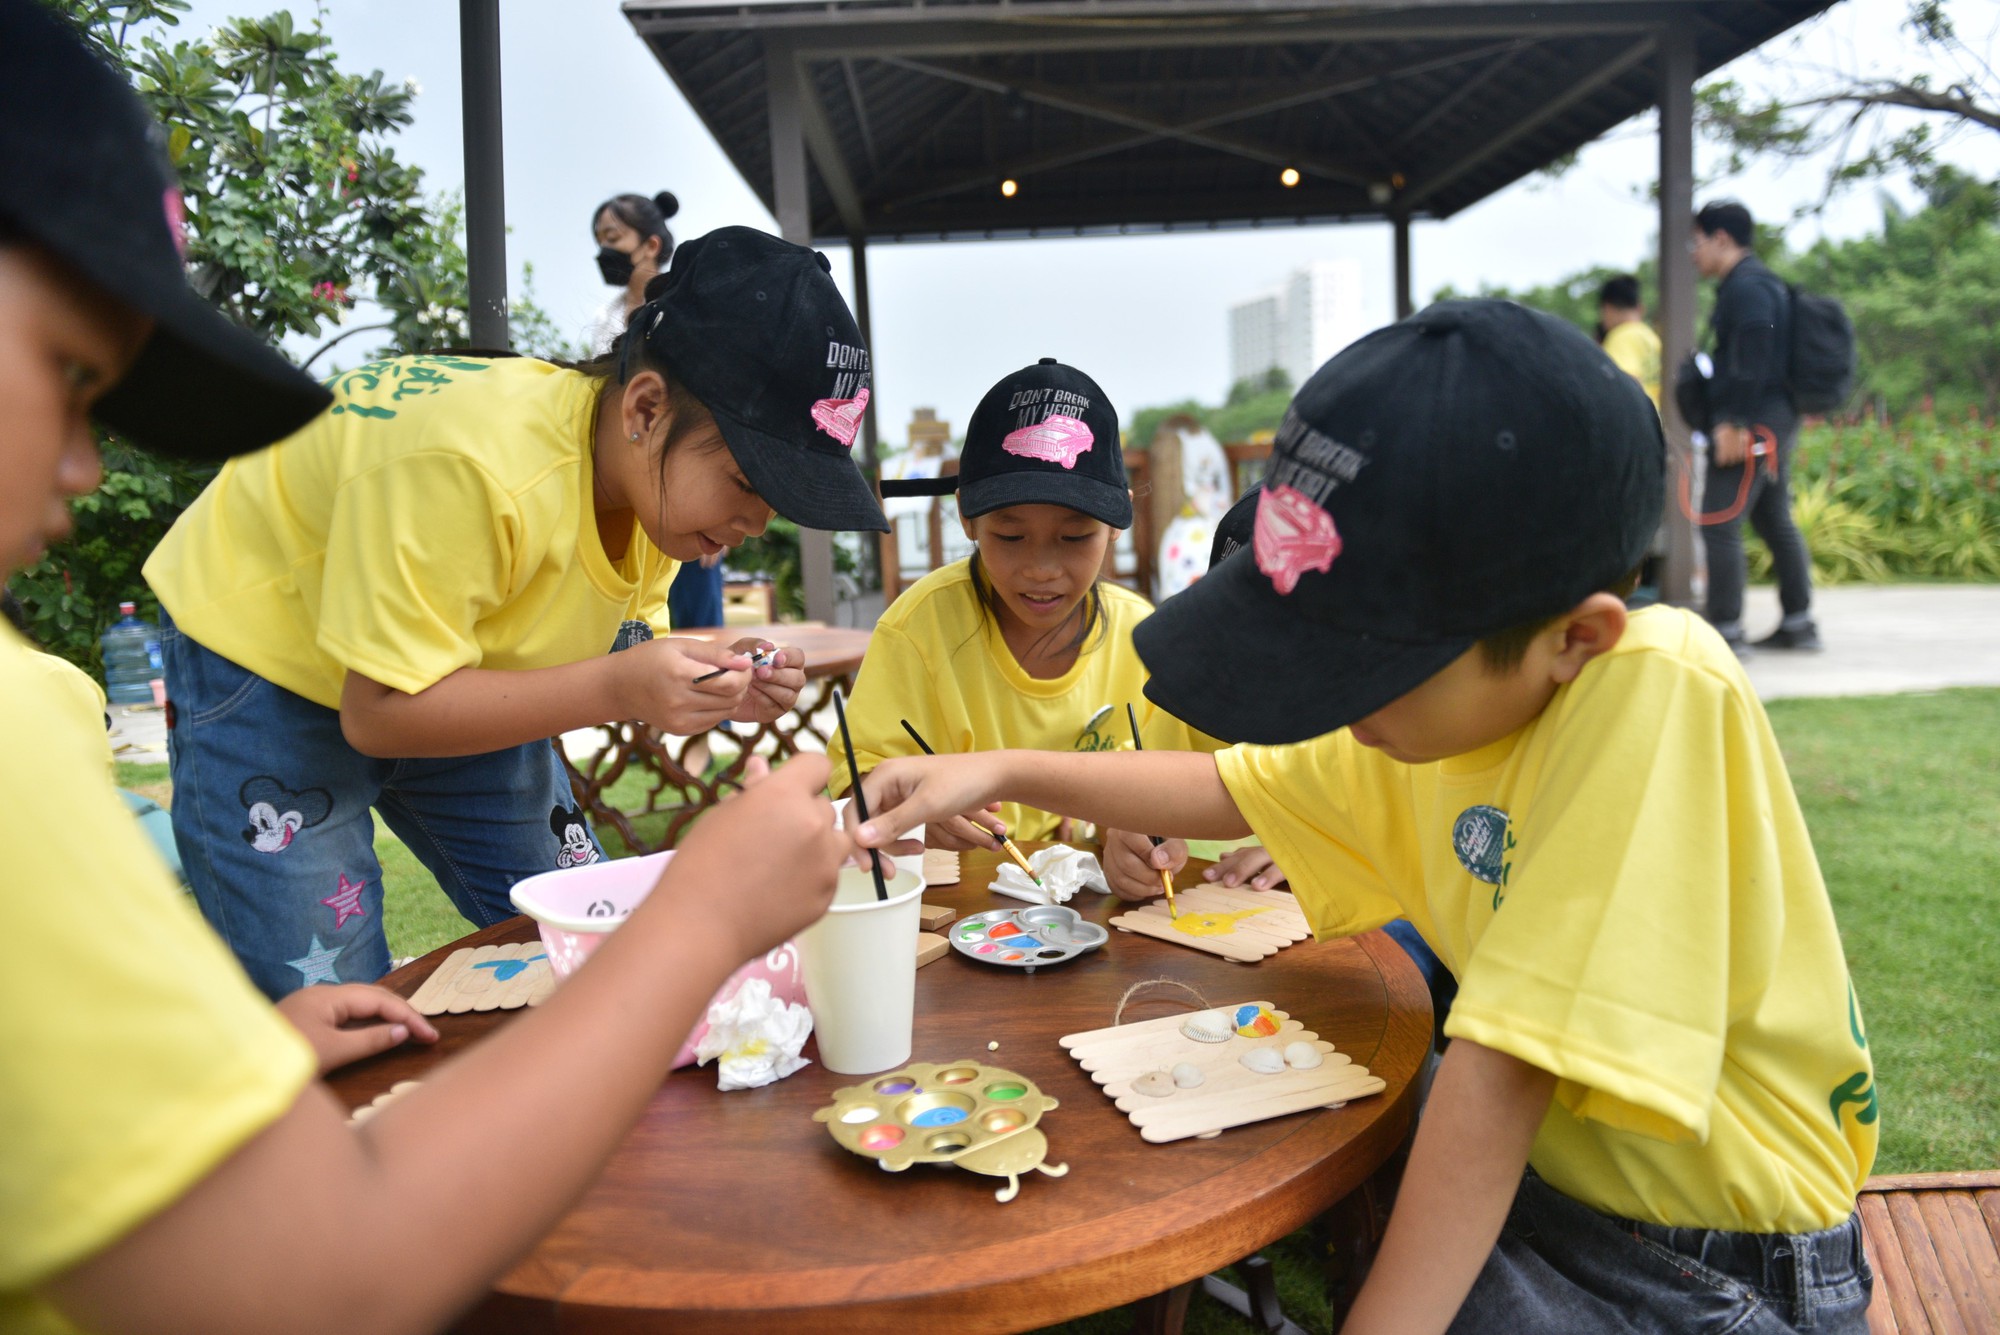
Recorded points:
(1063, 871)
(757, 1037)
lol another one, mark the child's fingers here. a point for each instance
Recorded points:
(343, 1047)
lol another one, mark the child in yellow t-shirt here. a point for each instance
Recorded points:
(395, 607)
(1022, 644)
(170, 1161)
(1659, 1097)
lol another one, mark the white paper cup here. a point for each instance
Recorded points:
(860, 967)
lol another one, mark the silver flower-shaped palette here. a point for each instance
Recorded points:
(1026, 939)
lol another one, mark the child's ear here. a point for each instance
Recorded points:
(1594, 626)
(646, 409)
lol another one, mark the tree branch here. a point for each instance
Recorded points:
(1913, 98)
(343, 335)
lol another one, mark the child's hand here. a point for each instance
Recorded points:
(765, 860)
(348, 1021)
(774, 689)
(982, 829)
(657, 684)
(1246, 866)
(922, 790)
(1132, 864)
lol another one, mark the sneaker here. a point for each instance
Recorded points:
(1738, 646)
(1805, 639)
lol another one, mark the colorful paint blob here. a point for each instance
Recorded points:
(858, 1114)
(939, 1117)
(1003, 1093)
(895, 1086)
(881, 1137)
(988, 949)
(1212, 924)
(1254, 1021)
(1010, 957)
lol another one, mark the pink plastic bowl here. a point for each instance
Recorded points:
(577, 908)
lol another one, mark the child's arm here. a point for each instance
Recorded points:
(1472, 1144)
(476, 710)
(397, 1225)
(1127, 790)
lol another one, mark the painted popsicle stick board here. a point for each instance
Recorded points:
(459, 985)
(1272, 921)
(1231, 1094)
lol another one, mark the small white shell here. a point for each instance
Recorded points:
(1209, 1027)
(1303, 1056)
(1154, 1084)
(1187, 1075)
(1264, 1061)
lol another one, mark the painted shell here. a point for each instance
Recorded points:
(1303, 1056)
(1264, 1061)
(1187, 1075)
(1209, 1026)
(1254, 1021)
(1154, 1084)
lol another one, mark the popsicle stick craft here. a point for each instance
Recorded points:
(1236, 923)
(1200, 1074)
(940, 866)
(487, 978)
(381, 1101)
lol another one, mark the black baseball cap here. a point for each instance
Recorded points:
(1476, 467)
(1236, 527)
(1045, 435)
(87, 180)
(756, 330)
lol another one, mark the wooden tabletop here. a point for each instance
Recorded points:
(831, 651)
(735, 1212)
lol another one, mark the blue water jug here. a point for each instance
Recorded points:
(131, 658)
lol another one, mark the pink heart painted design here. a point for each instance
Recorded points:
(841, 418)
(1293, 536)
(1056, 439)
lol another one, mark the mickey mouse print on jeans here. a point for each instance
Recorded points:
(277, 814)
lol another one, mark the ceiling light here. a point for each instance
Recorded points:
(1289, 177)
(1009, 188)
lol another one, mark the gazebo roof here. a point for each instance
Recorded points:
(1138, 115)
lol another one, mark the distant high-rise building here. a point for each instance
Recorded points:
(1297, 327)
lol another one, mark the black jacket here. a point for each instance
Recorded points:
(1751, 330)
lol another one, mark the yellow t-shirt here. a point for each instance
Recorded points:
(1627, 895)
(77, 693)
(938, 660)
(1635, 348)
(438, 516)
(134, 1054)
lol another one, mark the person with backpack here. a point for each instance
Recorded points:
(1755, 426)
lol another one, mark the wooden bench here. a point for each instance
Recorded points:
(1934, 1241)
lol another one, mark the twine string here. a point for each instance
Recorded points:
(1118, 1017)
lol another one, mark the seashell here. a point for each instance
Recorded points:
(1264, 1061)
(1303, 1056)
(1187, 1075)
(1208, 1026)
(1154, 1084)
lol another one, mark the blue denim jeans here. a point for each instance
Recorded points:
(1560, 1266)
(272, 818)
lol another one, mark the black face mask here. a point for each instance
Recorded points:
(615, 265)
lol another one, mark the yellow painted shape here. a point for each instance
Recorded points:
(1212, 924)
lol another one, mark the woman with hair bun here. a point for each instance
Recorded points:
(633, 245)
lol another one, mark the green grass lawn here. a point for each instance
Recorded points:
(1902, 794)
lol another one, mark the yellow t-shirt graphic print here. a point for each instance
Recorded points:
(438, 516)
(938, 660)
(1627, 894)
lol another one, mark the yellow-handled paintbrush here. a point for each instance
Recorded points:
(1166, 877)
(999, 839)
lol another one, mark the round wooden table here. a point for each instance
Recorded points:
(738, 1212)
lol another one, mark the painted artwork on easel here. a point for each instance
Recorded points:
(1238, 923)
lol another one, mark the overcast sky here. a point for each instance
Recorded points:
(589, 113)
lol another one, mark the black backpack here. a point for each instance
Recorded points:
(1822, 353)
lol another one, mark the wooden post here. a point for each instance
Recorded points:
(1676, 297)
(793, 206)
(1403, 304)
(485, 186)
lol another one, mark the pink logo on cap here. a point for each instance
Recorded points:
(1057, 439)
(1293, 536)
(841, 418)
(176, 213)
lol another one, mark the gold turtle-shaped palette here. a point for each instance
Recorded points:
(964, 1114)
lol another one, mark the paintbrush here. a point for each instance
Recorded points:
(999, 840)
(860, 800)
(758, 658)
(1166, 877)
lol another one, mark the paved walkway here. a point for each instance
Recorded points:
(1883, 640)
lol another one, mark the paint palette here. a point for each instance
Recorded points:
(962, 1114)
(1026, 939)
